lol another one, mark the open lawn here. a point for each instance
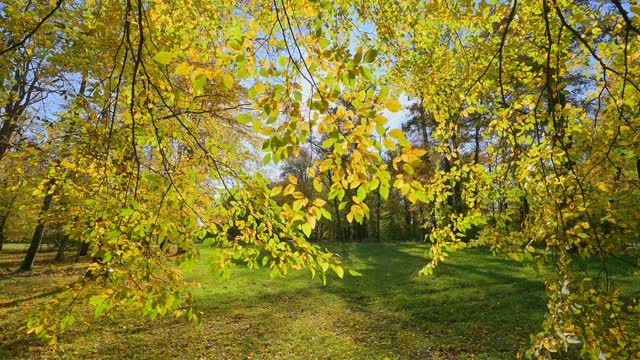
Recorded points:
(475, 306)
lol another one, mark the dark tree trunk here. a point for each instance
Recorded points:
(5, 135)
(407, 218)
(22, 92)
(318, 231)
(83, 250)
(524, 212)
(3, 220)
(36, 240)
(61, 248)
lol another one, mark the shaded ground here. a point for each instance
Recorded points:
(476, 306)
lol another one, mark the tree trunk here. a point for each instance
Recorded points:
(83, 250)
(39, 231)
(61, 248)
(3, 220)
(5, 135)
(524, 211)
(22, 95)
(407, 219)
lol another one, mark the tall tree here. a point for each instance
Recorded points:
(36, 240)
(177, 89)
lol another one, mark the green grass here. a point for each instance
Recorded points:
(475, 306)
(22, 247)
(15, 247)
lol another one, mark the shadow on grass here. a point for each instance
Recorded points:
(17, 302)
(12, 259)
(474, 304)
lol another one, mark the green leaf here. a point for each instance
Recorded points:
(275, 191)
(199, 82)
(266, 159)
(244, 118)
(274, 272)
(306, 229)
(384, 191)
(366, 73)
(252, 93)
(68, 320)
(126, 212)
(100, 309)
(357, 57)
(362, 193)
(283, 60)
(235, 44)
(96, 300)
(339, 271)
(408, 169)
(370, 55)
(228, 81)
(164, 57)
(354, 273)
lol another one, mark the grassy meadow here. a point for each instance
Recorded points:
(475, 306)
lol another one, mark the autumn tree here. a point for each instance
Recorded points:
(554, 84)
(174, 84)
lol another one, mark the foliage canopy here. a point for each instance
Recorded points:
(529, 114)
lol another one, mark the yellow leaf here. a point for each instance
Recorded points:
(184, 69)
(228, 81)
(396, 133)
(289, 189)
(325, 266)
(380, 120)
(393, 105)
(311, 220)
(267, 130)
(319, 202)
(602, 186)
(419, 152)
(350, 217)
(389, 144)
(293, 180)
